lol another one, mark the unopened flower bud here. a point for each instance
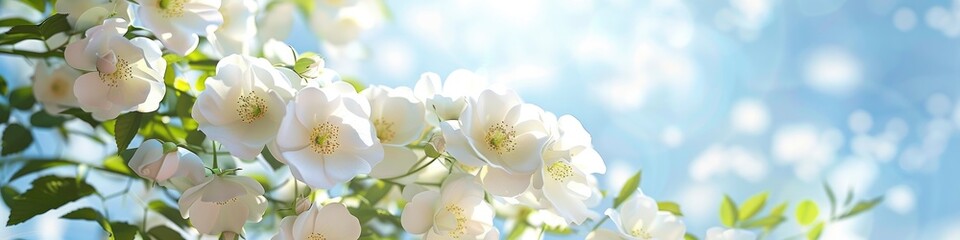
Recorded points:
(303, 204)
(309, 67)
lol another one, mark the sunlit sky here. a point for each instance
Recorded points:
(707, 97)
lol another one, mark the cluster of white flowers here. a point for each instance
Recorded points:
(492, 144)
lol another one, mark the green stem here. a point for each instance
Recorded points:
(415, 170)
(600, 223)
(31, 54)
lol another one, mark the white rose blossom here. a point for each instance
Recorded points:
(127, 74)
(569, 162)
(332, 221)
(719, 233)
(243, 104)
(83, 14)
(239, 27)
(165, 161)
(398, 119)
(639, 218)
(457, 211)
(326, 136)
(223, 204)
(447, 100)
(179, 23)
(54, 88)
(500, 130)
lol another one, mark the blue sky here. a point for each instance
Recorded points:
(710, 98)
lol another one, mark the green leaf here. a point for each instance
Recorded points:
(90, 215)
(163, 233)
(807, 212)
(184, 111)
(849, 198)
(10, 22)
(752, 206)
(116, 164)
(8, 194)
(860, 207)
(689, 236)
(814, 232)
(48, 192)
(169, 212)
(766, 222)
(42, 119)
(3, 83)
(16, 138)
(124, 231)
(671, 207)
(53, 25)
(126, 128)
(831, 197)
(356, 83)
(779, 209)
(22, 98)
(4, 113)
(38, 165)
(377, 191)
(518, 228)
(39, 5)
(628, 189)
(728, 212)
(85, 116)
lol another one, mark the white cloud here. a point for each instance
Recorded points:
(833, 70)
(806, 147)
(672, 136)
(719, 160)
(750, 116)
(854, 174)
(900, 199)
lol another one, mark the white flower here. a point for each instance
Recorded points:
(341, 22)
(719, 233)
(275, 22)
(223, 204)
(54, 89)
(604, 234)
(83, 14)
(326, 136)
(239, 28)
(446, 101)
(457, 211)
(639, 218)
(398, 119)
(165, 161)
(243, 105)
(569, 161)
(179, 23)
(128, 73)
(332, 221)
(499, 129)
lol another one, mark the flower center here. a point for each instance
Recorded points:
(252, 107)
(325, 138)
(316, 236)
(122, 72)
(57, 87)
(384, 129)
(641, 232)
(171, 8)
(501, 138)
(560, 171)
(457, 212)
(228, 201)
